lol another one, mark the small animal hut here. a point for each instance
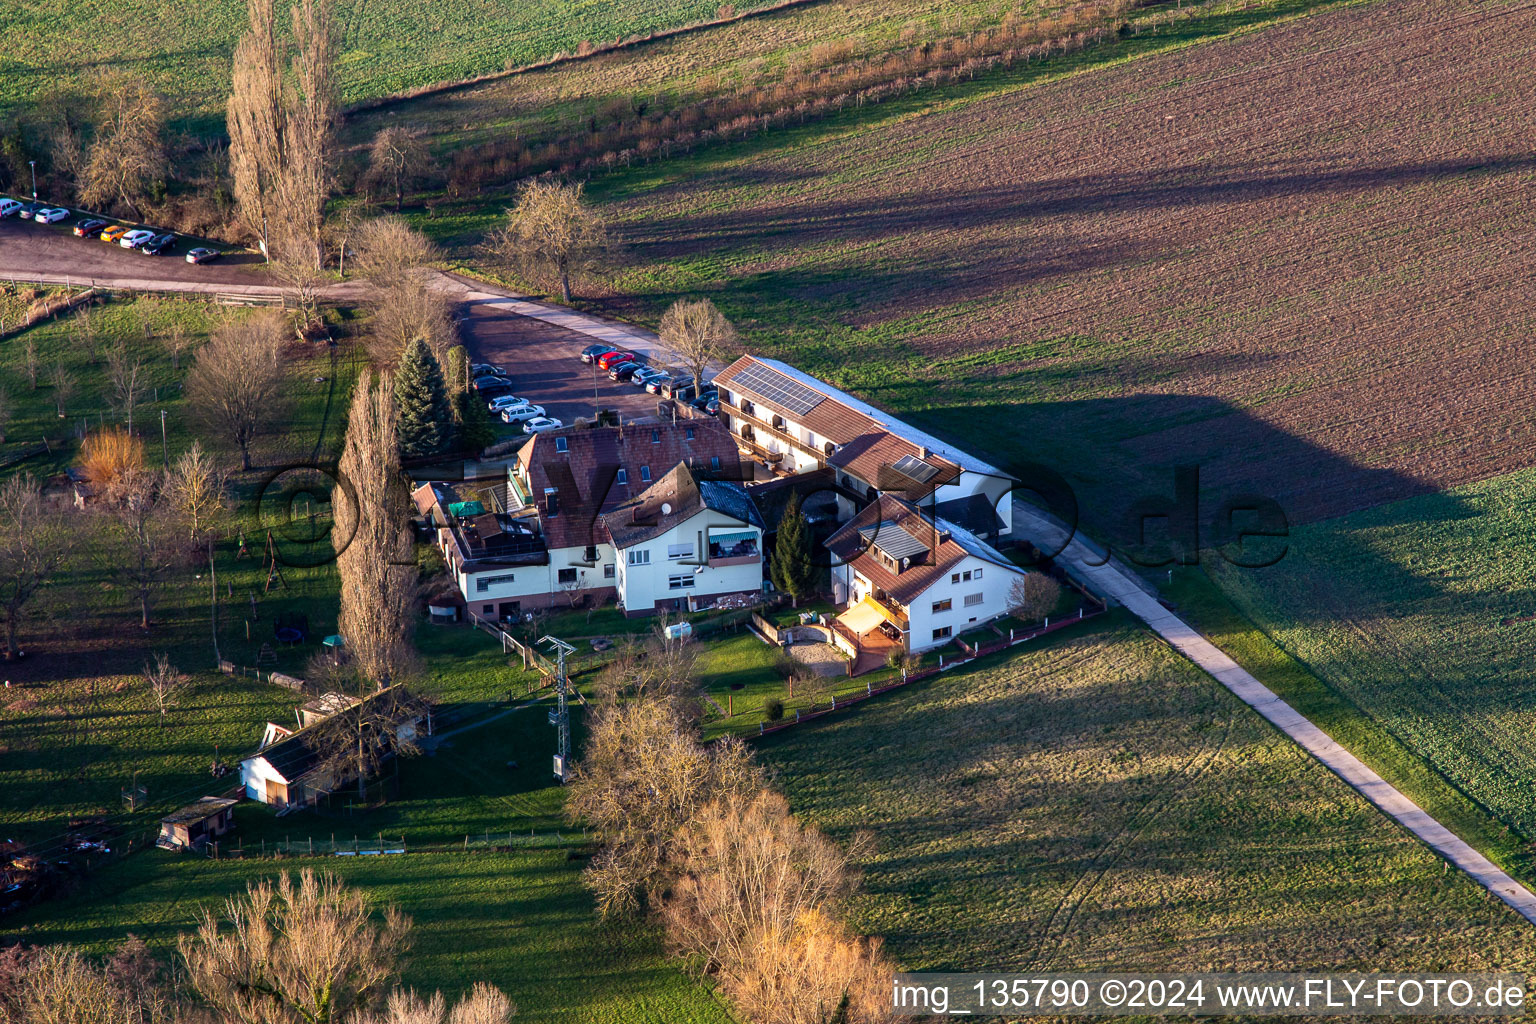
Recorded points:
(191, 827)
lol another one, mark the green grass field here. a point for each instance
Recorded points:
(1097, 803)
(1419, 612)
(385, 45)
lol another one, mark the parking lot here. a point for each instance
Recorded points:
(544, 362)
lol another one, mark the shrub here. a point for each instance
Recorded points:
(773, 708)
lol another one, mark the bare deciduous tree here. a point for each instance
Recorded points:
(1033, 595)
(195, 488)
(356, 743)
(140, 551)
(62, 986)
(396, 161)
(30, 363)
(125, 375)
(642, 778)
(374, 555)
(176, 342)
(235, 386)
(164, 681)
(35, 545)
(64, 384)
(752, 905)
(552, 234)
(388, 249)
(105, 455)
(126, 162)
(484, 1004)
(697, 334)
(404, 312)
(305, 952)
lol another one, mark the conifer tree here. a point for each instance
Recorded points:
(426, 422)
(792, 569)
(476, 428)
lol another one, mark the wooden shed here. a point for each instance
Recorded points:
(192, 826)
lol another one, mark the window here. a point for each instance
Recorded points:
(487, 609)
(966, 576)
(943, 606)
(551, 502)
(675, 551)
(684, 582)
(976, 575)
(640, 556)
(645, 474)
(567, 576)
(622, 478)
(562, 445)
(954, 577)
(688, 434)
(590, 554)
(608, 571)
(942, 633)
(714, 463)
(972, 600)
(484, 583)
(738, 544)
(655, 437)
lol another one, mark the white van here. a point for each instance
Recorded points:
(9, 206)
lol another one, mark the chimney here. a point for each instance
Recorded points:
(925, 451)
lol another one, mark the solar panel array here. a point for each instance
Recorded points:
(775, 388)
(917, 469)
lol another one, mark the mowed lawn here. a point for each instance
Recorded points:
(1423, 613)
(1097, 803)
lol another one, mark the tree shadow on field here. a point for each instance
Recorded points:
(1144, 189)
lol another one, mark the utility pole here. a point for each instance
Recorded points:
(563, 718)
(165, 453)
(213, 606)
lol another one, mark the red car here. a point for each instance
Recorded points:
(607, 360)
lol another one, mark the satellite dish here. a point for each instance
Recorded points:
(666, 508)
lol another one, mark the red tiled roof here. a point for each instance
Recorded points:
(889, 512)
(584, 477)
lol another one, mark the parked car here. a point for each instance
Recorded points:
(203, 255)
(540, 424)
(87, 228)
(113, 233)
(51, 215)
(506, 402)
(708, 406)
(135, 238)
(523, 414)
(480, 369)
(28, 209)
(490, 380)
(159, 245)
(670, 387)
(492, 392)
(607, 359)
(645, 375)
(9, 207)
(685, 394)
(655, 384)
(624, 370)
(591, 352)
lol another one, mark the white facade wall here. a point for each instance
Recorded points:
(254, 773)
(642, 585)
(529, 581)
(993, 586)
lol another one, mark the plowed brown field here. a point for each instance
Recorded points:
(1300, 257)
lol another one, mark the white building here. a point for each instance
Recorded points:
(794, 423)
(913, 580)
(687, 543)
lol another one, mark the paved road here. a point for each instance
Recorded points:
(1087, 564)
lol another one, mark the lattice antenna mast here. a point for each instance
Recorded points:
(562, 713)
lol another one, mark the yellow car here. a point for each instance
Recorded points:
(113, 234)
